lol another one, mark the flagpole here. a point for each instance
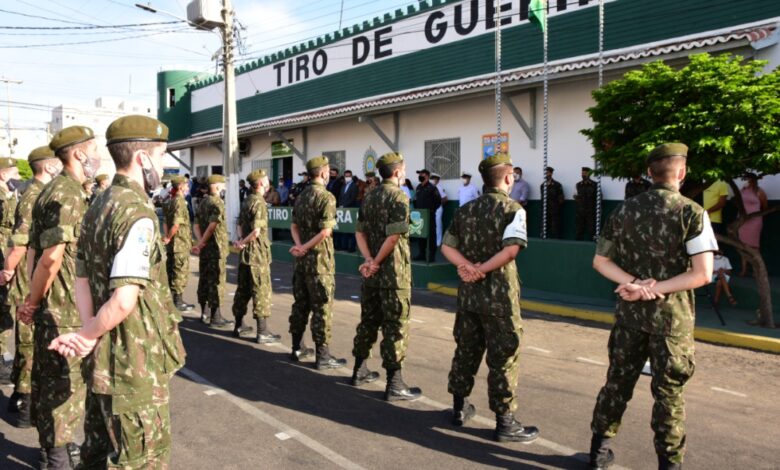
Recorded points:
(546, 123)
(601, 82)
(498, 81)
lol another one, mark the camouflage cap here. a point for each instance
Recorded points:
(7, 162)
(666, 150)
(495, 160)
(41, 153)
(177, 180)
(216, 179)
(255, 176)
(316, 162)
(101, 178)
(388, 159)
(70, 136)
(136, 128)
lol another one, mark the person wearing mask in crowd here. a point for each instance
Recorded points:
(427, 197)
(284, 192)
(408, 189)
(715, 198)
(637, 185)
(468, 192)
(272, 197)
(754, 199)
(520, 188)
(555, 201)
(242, 191)
(436, 179)
(347, 197)
(335, 183)
(297, 188)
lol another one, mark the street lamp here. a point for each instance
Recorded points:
(230, 119)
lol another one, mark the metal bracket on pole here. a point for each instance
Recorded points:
(186, 167)
(298, 153)
(530, 130)
(393, 144)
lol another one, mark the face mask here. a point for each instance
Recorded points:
(151, 178)
(465, 182)
(13, 184)
(421, 178)
(281, 185)
(517, 177)
(347, 179)
(90, 166)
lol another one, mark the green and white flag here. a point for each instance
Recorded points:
(537, 13)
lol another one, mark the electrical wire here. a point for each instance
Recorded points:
(112, 26)
(99, 41)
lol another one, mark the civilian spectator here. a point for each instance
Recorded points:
(436, 179)
(348, 197)
(335, 183)
(754, 199)
(715, 197)
(272, 197)
(468, 192)
(721, 275)
(408, 189)
(521, 188)
(284, 192)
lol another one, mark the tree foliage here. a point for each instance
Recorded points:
(25, 172)
(725, 109)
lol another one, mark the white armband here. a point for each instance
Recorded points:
(133, 260)
(517, 229)
(703, 242)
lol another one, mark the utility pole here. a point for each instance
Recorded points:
(7, 82)
(230, 122)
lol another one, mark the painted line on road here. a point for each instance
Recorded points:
(251, 410)
(591, 361)
(213, 391)
(282, 436)
(534, 348)
(730, 392)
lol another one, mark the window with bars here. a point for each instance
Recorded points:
(442, 157)
(337, 159)
(262, 165)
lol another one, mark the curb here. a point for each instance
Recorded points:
(710, 335)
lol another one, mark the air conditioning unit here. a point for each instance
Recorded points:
(244, 145)
(207, 14)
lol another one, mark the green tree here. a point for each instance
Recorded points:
(25, 172)
(725, 109)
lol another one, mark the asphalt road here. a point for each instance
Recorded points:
(240, 405)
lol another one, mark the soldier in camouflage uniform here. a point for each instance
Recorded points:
(121, 271)
(658, 247)
(555, 200)
(212, 247)
(483, 240)
(586, 198)
(637, 185)
(178, 241)
(314, 284)
(383, 239)
(8, 172)
(101, 184)
(15, 272)
(254, 268)
(58, 386)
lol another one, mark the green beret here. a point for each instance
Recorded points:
(7, 162)
(177, 180)
(40, 153)
(136, 129)
(70, 136)
(389, 159)
(215, 179)
(667, 150)
(316, 162)
(495, 160)
(255, 176)
(101, 178)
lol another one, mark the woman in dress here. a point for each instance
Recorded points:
(754, 199)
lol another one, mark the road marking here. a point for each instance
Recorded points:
(213, 391)
(590, 361)
(730, 392)
(534, 348)
(250, 409)
(416, 320)
(282, 436)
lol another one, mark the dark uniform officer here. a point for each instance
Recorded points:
(314, 284)
(637, 185)
(8, 201)
(555, 202)
(137, 347)
(383, 222)
(178, 241)
(254, 267)
(489, 231)
(45, 165)
(664, 236)
(213, 249)
(427, 196)
(586, 198)
(298, 188)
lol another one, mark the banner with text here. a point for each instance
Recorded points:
(346, 220)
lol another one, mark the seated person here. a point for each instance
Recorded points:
(721, 274)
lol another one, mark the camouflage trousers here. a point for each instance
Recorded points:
(499, 336)
(254, 283)
(58, 390)
(313, 297)
(672, 364)
(212, 280)
(23, 358)
(178, 267)
(387, 309)
(6, 320)
(132, 439)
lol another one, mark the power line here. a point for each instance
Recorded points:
(99, 41)
(59, 20)
(112, 26)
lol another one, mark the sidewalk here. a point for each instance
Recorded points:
(737, 332)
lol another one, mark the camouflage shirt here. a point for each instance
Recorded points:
(385, 212)
(56, 219)
(654, 235)
(315, 210)
(479, 230)
(254, 215)
(20, 284)
(175, 212)
(212, 209)
(7, 212)
(121, 246)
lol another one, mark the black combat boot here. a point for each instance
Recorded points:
(361, 375)
(217, 321)
(665, 464)
(397, 389)
(74, 454)
(43, 459)
(508, 429)
(299, 350)
(462, 410)
(240, 330)
(23, 420)
(325, 361)
(180, 305)
(13, 402)
(205, 317)
(601, 456)
(264, 335)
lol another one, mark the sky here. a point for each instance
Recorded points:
(73, 67)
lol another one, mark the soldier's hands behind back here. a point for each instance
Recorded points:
(72, 344)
